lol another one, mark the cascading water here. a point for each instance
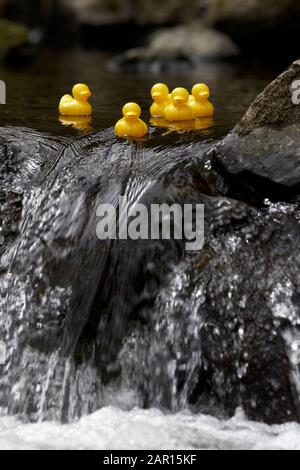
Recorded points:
(69, 301)
(138, 344)
(87, 323)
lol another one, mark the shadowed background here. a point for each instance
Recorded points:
(257, 28)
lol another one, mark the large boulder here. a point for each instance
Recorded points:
(187, 44)
(263, 151)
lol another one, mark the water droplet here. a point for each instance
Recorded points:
(241, 332)
(2, 353)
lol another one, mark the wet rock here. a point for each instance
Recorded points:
(187, 44)
(89, 323)
(222, 321)
(276, 106)
(12, 35)
(244, 327)
(263, 151)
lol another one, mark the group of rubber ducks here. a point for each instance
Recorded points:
(178, 106)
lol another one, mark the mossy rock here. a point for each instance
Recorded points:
(11, 35)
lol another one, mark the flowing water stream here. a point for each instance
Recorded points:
(138, 344)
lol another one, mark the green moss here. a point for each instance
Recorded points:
(11, 35)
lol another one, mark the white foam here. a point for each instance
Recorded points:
(113, 429)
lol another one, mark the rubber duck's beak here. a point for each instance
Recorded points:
(131, 116)
(85, 94)
(204, 95)
(179, 100)
(156, 96)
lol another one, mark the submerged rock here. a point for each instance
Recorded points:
(262, 153)
(187, 44)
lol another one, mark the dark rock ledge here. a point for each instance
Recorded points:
(262, 153)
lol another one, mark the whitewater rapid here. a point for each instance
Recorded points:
(113, 429)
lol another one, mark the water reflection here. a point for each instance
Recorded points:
(204, 123)
(80, 123)
(182, 127)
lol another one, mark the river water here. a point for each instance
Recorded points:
(33, 93)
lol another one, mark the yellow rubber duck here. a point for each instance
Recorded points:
(161, 96)
(199, 101)
(179, 109)
(76, 105)
(131, 125)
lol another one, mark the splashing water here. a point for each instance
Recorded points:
(113, 429)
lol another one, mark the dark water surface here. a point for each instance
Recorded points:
(34, 91)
